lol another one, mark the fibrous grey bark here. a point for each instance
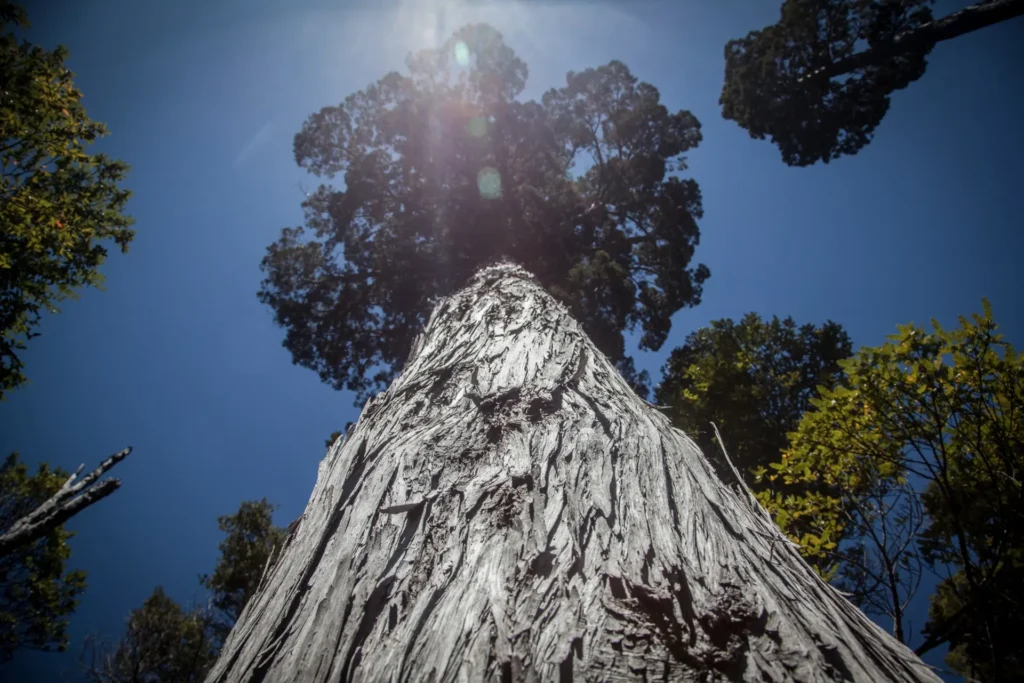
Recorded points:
(510, 510)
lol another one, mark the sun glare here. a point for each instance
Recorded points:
(461, 51)
(488, 181)
(426, 24)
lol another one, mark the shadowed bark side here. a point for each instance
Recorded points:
(510, 510)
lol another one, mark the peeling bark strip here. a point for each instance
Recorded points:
(510, 510)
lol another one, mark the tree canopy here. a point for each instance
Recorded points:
(754, 379)
(445, 170)
(252, 539)
(37, 593)
(818, 82)
(915, 459)
(162, 643)
(166, 643)
(59, 205)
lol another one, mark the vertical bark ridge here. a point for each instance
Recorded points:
(510, 510)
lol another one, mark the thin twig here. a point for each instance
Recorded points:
(777, 536)
(736, 472)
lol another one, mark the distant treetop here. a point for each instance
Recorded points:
(443, 170)
(817, 82)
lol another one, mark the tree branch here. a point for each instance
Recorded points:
(972, 18)
(63, 505)
(942, 634)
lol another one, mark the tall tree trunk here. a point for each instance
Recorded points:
(510, 510)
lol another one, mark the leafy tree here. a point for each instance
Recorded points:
(856, 520)
(36, 593)
(754, 379)
(941, 412)
(444, 171)
(58, 203)
(818, 82)
(162, 644)
(252, 540)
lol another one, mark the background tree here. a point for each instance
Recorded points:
(444, 170)
(941, 412)
(251, 543)
(59, 204)
(162, 644)
(37, 593)
(817, 82)
(754, 379)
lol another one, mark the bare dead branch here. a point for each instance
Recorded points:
(66, 503)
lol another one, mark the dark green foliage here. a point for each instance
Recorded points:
(251, 540)
(36, 595)
(162, 644)
(974, 641)
(753, 379)
(778, 83)
(58, 204)
(334, 435)
(444, 170)
(331, 439)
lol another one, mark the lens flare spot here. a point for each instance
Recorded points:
(478, 126)
(461, 51)
(488, 181)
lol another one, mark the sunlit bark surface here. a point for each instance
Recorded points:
(510, 510)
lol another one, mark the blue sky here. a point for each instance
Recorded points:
(178, 359)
